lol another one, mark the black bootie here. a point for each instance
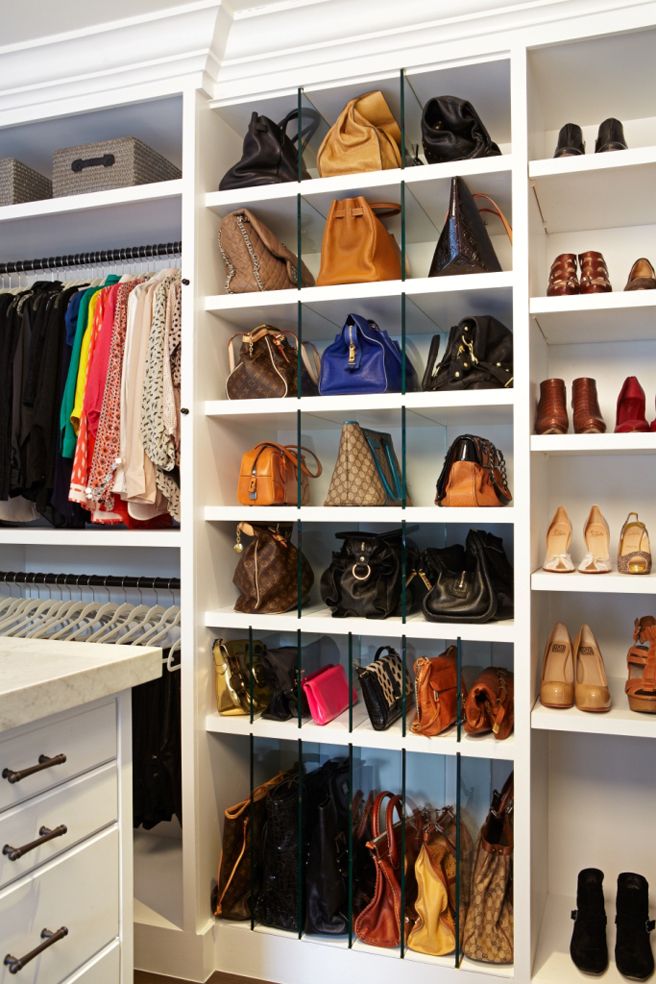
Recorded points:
(588, 948)
(570, 141)
(610, 136)
(633, 954)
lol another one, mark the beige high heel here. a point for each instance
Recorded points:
(634, 553)
(557, 686)
(591, 691)
(597, 541)
(559, 539)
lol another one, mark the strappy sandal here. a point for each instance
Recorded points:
(640, 687)
(563, 276)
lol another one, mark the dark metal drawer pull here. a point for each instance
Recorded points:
(45, 835)
(17, 963)
(45, 762)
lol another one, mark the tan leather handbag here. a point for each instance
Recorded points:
(356, 246)
(267, 574)
(365, 137)
(489, 927)
(254, 257)
(269, 475)
(436, 692)
(474, 474)
(489, 706)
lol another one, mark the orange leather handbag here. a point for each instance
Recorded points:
(436, 687)
(473, 474)
(365, 137)
(356, 247)
(269, 475)
(489, 706)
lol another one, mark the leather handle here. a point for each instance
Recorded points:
(375, 818)
(495, 210)
(80, 163)
(304, 468)
(388, 209)
(394, 804)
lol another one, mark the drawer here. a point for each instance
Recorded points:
(104, 968)
(79, 891)
(87, 739)
(82, 806)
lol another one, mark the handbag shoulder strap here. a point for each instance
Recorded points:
(293, 450)
(495, 210)
(307, 130)
(397, 491)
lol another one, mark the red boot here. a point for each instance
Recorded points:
(631, 405)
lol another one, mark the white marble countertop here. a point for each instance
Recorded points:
(39, 677)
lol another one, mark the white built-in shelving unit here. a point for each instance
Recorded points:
(579, 778)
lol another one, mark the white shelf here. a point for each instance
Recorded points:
(611, 583)
(102, 219)
(363, 735)
(90, 537)
(359, 514)
(620, 720)
(596, 191)
(616, 317)
(634, 443)
(318, 619)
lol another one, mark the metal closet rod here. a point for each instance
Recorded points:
(122, 253)
(90, 580)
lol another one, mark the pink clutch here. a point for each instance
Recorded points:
(327, 693)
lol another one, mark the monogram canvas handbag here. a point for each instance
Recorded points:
(367, 470)
(254, 257)
(267, 365)
(267, 573)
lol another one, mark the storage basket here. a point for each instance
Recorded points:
(20, 183)
(117, 163)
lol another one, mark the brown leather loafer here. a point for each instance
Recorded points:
(551, 417)
(594, 273)
(563, 277)
(585, 407)
(641, 276)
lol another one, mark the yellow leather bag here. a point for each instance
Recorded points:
(356, 246)
(365, 137)
(269, 475)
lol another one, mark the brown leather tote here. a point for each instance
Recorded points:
(364, 137)
(267, 573)
(254, 257)
(436, 692)
(356, 246)
(473, 474)
(489, 706)
(269, 475)
(379, 923)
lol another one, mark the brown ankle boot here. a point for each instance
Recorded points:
(552, 408)
(586, 414)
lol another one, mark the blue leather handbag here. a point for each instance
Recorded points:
(364, 359)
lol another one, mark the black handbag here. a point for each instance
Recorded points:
(473, 583)
(464, 245)
(269, 156)
(326, 819)
(277, 903)
(365, 578)
(479, 355)
(382, 688)
(280, 669)
(452, 130)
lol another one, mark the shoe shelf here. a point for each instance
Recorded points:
(317, 619)
(620, 720)
(633, 443)
(347, 516)
(596, 191)
(611, 583)
(553, 964)
(595, 317)
(363, 735)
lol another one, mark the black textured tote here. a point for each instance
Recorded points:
(464, 245)
(269, 156)
(479, 355)
(452, 130)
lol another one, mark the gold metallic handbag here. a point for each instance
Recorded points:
(234, 663)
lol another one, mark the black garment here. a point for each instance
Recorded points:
(156, 751)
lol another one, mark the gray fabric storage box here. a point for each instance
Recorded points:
(20, 183)
(118, 163)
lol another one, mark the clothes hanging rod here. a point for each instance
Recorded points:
(118, 255)
(90, 580)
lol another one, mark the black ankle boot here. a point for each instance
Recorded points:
(570, 141)
(610, 136)
(633, 954)
(588, 948)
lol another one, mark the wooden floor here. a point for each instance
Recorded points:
(143, 977)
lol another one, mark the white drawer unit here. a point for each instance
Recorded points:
(74, 902)
(104, 968)
(34, 760)
(47, 825)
